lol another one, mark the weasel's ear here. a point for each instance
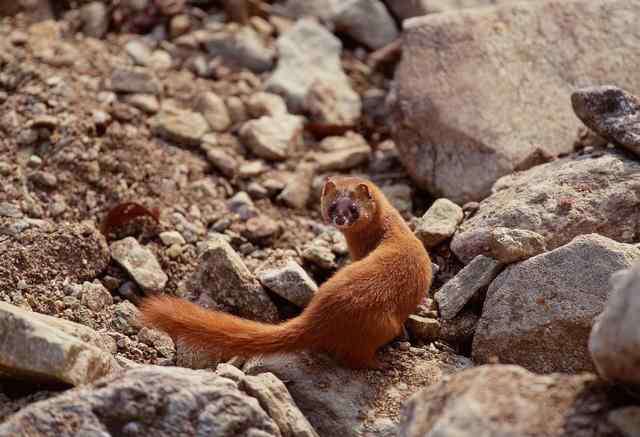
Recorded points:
(363, 190)
(329, 187)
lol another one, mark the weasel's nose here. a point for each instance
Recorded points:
(339, 220)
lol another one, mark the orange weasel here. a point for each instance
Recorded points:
(360, 308)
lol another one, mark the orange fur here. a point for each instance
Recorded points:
(360, 308)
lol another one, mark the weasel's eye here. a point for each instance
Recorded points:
(353, 209)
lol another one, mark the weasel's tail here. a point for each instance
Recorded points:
(220, 333)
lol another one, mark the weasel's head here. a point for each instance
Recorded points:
(348, 203)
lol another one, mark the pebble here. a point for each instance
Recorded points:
(134, 80)
(263, 103)
(171, 237)
(140, 263)
(181, 126)
(95, 296)
(44, 179)
(145, 102)
(215, 112)
(273, 138)
(439, 222)
(297, 191)
(126, 318)
(260, 228)
(291, 282)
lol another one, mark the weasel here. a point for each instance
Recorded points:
(360, 308)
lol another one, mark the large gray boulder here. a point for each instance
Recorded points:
(559, 201)
(164, 402)
(539, 313)
(505, 401)
(615, 339)
(484, 91)
(343, 402)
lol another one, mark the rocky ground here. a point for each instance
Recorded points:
(179, 147)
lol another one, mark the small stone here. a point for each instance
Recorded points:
(95, 19)
(291, 282)
(366, 21)
(160, 60)
(439, 222)
(330, 105)
(171, 237)
(161, 341)
(273, 186)
(611, 112)
(454, 295)
(44, 179)
(27, 137)
(257, 191)
(242, 205)
(95, 296)
(145, 102)
(263, 103)
(237, 110)
(244, 48)
(222, 160)
(139, 52)
(100, 118)
(260, 228)
(181, 126)
(9, 210)
(179, 25)
(129, 80)
(252, 169)
(126, 318)
(343, 159)
(297, 191)
(319, 254)
(215, 112)
(423, 328)
(140, 263)
(511, 245)
(273, 138)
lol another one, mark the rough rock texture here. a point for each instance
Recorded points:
(341, 402)
(559, 201)
(539, 313)
(506, 245)
(439, 222)
(274, 137)
(180, 126)
(72, 252)
(615, 339)
(477, 275)
(140, 263)
(243, 48)
(309, 53)
(42, 348)
(366, 21)
(291, 282)
(611, 112)
(223, 281)
(510, 401)
(473, 116)
(161, 402)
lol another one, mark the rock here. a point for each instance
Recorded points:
(539, 313)
(163, 402)
(44, 179)
(423, 328)
(244, 48)
(297, 192)
(242, 205)
(340, 402)
(290, 282)
(145, 102)
(308, 53)
(263, 103)
(437, 107)
(335, 106)
(439, 222)
(222, 160)
(95, 19)
(615, 340)
(400, 196)
(138, 51)
(320, 254)
(610, 112)
(404, 9)
(512, 245)
(223, 281)
(260, 228)
(181, 126)
(169, 238)
(9, 210)
(366, 21)
(140, 263)
(459, 331)
(126, 318)
(273, 138)
(274, 397)
(342, 153)
(32, 348)
(95, 297)
(559, 201)
(215, 112)
(509, 401)
(627, 420)
(477, 275)
(134, 80)
(179, 25)
(160, 340)
(325, 10)
(44, 254)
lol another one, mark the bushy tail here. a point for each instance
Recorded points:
(219, 333)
